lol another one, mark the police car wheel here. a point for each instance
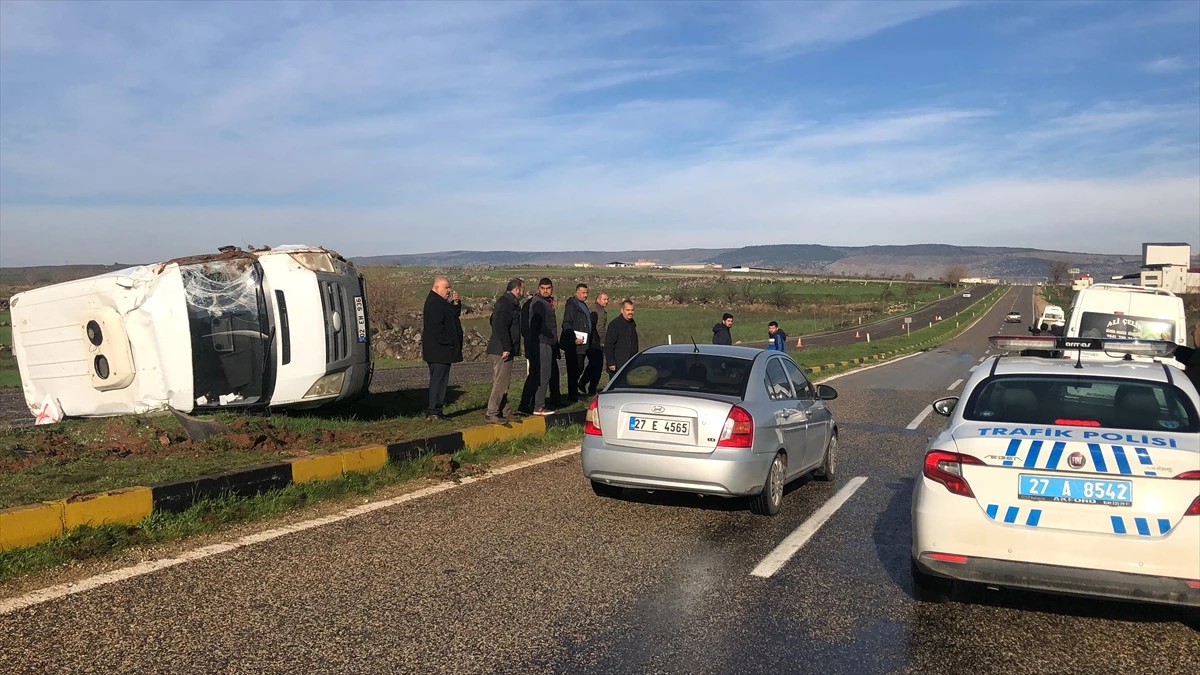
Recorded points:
(829, 464)
(930, 588)
(604, 489)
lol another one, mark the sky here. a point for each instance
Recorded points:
(139, 131)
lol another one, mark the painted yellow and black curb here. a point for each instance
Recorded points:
(25, 526)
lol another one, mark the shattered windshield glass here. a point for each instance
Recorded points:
(230, 333)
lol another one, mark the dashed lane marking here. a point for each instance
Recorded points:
(778, 557)
(920, 417)
(954, 384)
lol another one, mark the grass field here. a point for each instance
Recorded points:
(9, 376)
(92, 455)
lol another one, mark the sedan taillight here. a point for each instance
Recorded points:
(591, 421)
(946, 468)
(738, 431)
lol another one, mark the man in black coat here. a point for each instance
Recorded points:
(576, 330)
(621, 340)
(538, 326)
(441, 342)
(721, 333)
(595, 346)
(503, 346)
(1190, 357)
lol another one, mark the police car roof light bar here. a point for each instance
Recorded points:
(1010, 343)
(1152, 348)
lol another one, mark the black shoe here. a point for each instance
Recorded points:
(437, 416)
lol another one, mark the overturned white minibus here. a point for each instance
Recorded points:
(275, 327)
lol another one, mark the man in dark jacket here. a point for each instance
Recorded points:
(1190, 357)
(541, 338)
(503, 346)
(595, 346)
(441, 342)
(576, 329)
(721, 334)
(621, 339)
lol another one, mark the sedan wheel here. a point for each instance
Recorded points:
(829, 464)
(767, 502)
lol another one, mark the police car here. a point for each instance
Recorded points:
(1067, 475)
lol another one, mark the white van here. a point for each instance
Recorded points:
(1052, 315)
(1130, 312)
(257, 328)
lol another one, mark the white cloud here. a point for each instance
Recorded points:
(1171, 64)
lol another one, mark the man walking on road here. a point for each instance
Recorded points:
(721, 334)
(503, 346)
(595, 347)
(441, 342)
(576, 330)
(538, 327)
(621, 339)
(776, 338)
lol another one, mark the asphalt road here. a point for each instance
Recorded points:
(529, 572)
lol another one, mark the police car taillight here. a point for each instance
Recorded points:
(946, 468)
(1194, 509)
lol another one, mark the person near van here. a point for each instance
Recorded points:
(721, 330)
(621, 338)
(1190, 357)
(576, 330)
(503, 346)
(595, 351)
(776, 338)
(538, 329)
(441, 342)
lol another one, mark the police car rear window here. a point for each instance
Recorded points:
(708, 373)
(1083, 401)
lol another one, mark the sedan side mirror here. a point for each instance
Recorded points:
(945, 406)
(826, 392)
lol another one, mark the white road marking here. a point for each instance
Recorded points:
(54, 592)
(787, 548)
(982, 359)
(920, 418)
(889, 362)
(954, 384)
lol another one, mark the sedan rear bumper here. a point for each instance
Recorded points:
(723, 472)
(1069, 580)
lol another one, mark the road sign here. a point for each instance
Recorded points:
(908, 319)
(1073, 270)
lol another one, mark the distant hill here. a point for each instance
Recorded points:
(921, 260)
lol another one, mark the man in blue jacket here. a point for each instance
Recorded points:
(776, 338)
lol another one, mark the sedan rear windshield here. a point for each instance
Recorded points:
(724, 375)
(1083, 401)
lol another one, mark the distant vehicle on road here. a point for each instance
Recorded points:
(967, 294)
(277, 327)
(1052, 315)
(712, 420)
(1076, 476)
(1013, 317)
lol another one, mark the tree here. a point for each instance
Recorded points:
(954, 274)
(1057, 272)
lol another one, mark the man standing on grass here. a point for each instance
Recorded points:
(503, 346)
(721, 331)
(595, 346)
(621, 340)
(441, 342)
(538, 327)
(776, 338)
(576, 330)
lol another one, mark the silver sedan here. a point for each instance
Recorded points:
(712, 420)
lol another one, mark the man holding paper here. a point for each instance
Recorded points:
(576, 327)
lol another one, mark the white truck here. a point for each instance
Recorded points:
(1128, 312)
(239, 329)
